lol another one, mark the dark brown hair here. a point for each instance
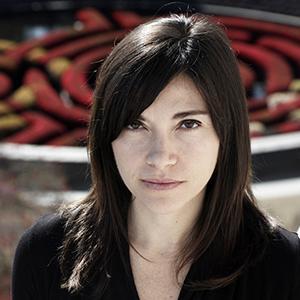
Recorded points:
(129, 80)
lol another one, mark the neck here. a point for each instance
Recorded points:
(161, 234)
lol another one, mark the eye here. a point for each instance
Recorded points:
(190, 124)
(134, 125)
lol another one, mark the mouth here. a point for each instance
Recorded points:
(161, 184)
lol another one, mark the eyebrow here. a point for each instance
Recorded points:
(183, 114)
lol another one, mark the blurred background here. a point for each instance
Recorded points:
(49, 55)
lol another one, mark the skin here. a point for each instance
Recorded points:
(184, 149)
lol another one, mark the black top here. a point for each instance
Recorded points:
(36, 272)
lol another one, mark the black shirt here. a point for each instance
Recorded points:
(36, 273)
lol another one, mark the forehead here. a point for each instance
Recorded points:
(180, 93)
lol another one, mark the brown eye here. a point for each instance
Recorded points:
(190, 124)
(134, 125)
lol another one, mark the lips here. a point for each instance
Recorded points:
(161, 181)
(161, 184)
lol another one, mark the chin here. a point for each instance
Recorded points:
(161, 204)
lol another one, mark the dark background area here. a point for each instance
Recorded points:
(291, 7)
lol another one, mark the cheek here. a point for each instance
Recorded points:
(120, 153)
(125, 151)
(202, 155)
(126, 157)
(202, 142)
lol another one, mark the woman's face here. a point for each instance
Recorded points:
(168, 144)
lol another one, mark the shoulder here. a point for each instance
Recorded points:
(49, 225)
(35, 270)
(46, 230)
(41, 241)
(276, 273)
(281, 262)
(284, 244)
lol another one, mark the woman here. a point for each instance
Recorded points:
(170, 214)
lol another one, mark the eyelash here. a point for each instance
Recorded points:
(182, 122)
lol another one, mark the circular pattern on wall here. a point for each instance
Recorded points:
(46, 84)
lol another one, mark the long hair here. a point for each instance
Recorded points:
(128, 81)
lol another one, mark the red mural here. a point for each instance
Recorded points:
(46, 89)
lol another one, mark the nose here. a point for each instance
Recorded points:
(161, 153)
